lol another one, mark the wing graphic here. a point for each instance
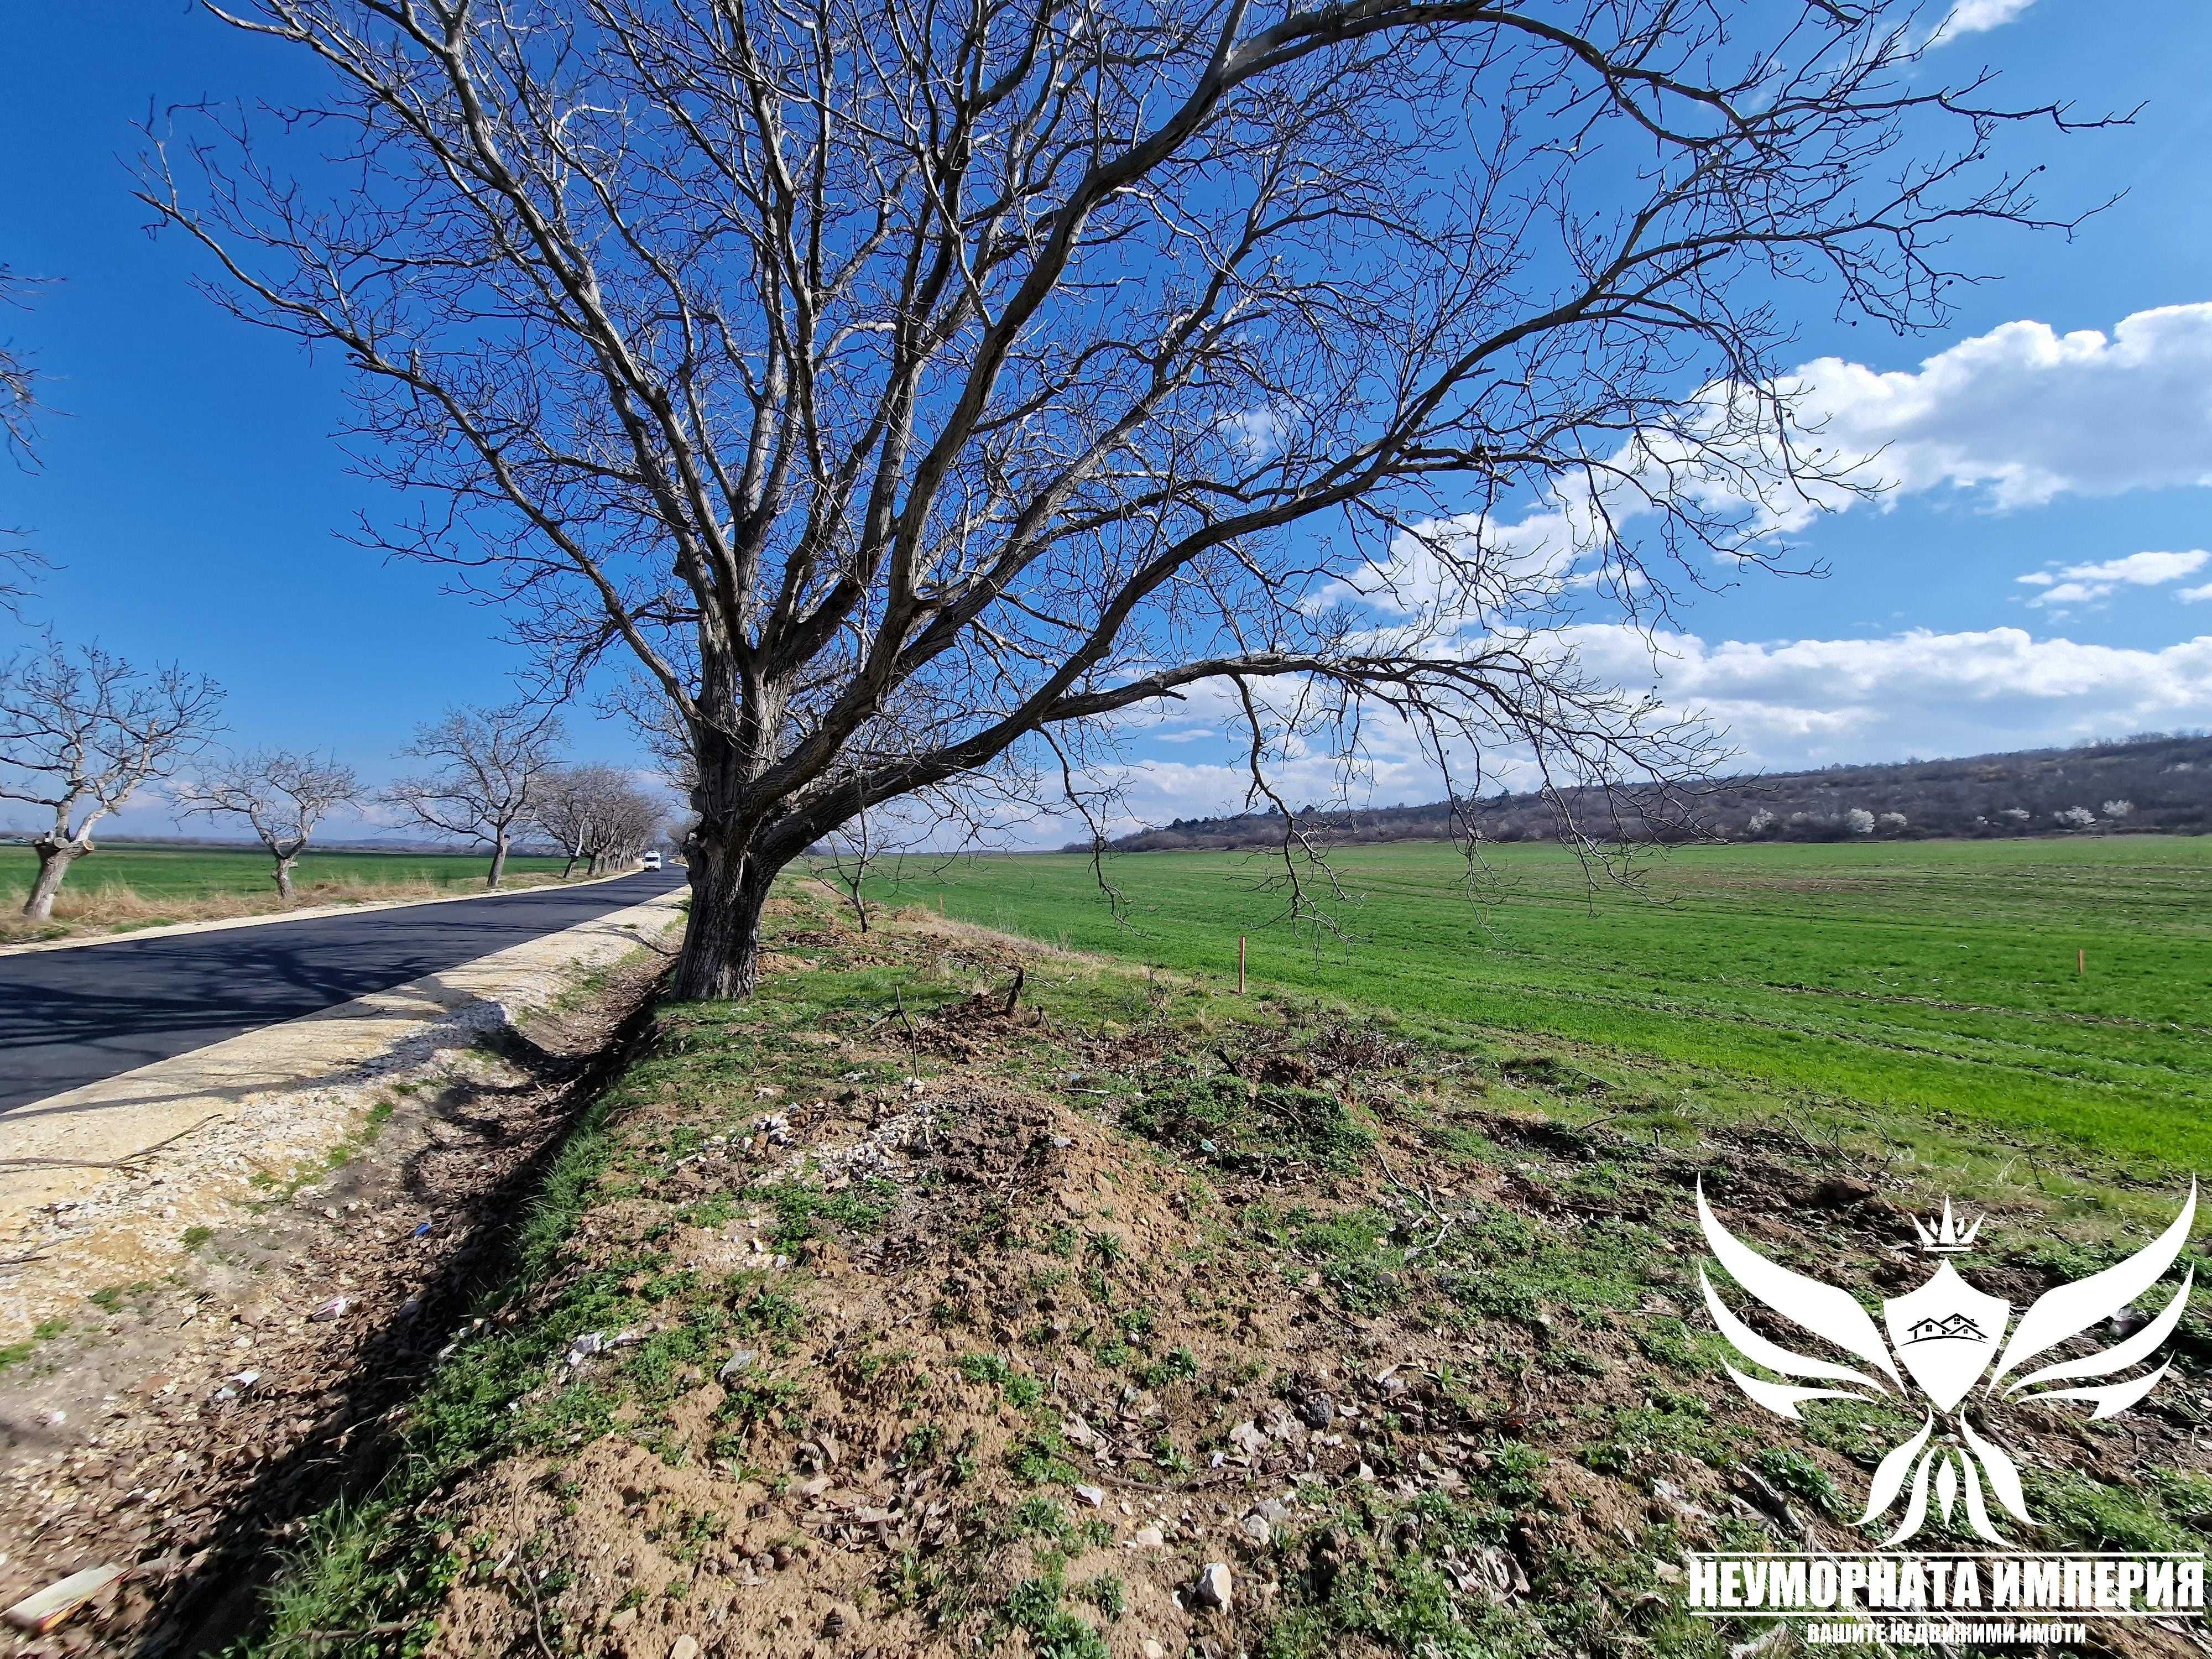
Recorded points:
(1827, 1312)
(1889, 1478)
(2069, 1310)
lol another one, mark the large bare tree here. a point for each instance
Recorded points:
(485, 768)
(282, 796)
(81, 731)
(913, 391)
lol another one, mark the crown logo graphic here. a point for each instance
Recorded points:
(1946, 1236)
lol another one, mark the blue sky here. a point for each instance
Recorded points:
(191, 495)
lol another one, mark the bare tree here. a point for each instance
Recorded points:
(564, 809)
(17, 402)
(485, 768)
(632, 819)
(18, 564)
(81, 730)
(844, 862)
(915, 393)
(600, 816)
(281, 795)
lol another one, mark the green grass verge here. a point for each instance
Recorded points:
(200, 873)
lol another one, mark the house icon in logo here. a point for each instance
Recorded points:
(1954, 1327)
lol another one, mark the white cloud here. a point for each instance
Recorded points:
(1817, 703)
(1973, 16)
(2023, 415)
(2015, 418)
(2083, 584)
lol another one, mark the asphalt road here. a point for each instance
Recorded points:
(73, 1017)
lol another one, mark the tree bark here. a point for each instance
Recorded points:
(722, 940)
(53, 864)
(498, 861)
(284, 866)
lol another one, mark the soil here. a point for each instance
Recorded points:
(1276, 1425)
(186, 1435)
(1060, 1346)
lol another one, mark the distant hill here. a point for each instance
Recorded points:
(2156, 783)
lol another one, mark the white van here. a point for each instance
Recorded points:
(651, 862)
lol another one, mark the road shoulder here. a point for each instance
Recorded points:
(206, 1337)
(104, 1185)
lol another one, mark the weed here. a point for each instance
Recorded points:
(1235, 1124)
(2089, 1515)
(1180, 1366)
(802, 1210)
(1040, 1458)
(1106, 1593)
(1794, 1472)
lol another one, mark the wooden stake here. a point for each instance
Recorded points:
(1240, 965)
(2081, 963)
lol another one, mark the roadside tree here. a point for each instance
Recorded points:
(597, 814)
(917, 394)
(565, 809)
(485, 768)
(283, 796)
(632, 819)
(81, 731)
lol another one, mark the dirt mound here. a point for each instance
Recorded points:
(1141, 1322)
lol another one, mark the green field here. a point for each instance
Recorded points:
(1869, 982)
(202, 872)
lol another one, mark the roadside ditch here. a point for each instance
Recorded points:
(180, 1430)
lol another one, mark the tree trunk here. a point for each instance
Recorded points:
(53, 864)
(284, 867)
(567, 867)
(722, 940)
(498, 861)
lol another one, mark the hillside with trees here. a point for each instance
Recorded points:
(2154, 782)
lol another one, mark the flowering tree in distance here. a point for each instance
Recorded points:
(915, 394)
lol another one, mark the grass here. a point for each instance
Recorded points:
(124, 886)
(1895, 979)
(1472, 1134)
(186, 873)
